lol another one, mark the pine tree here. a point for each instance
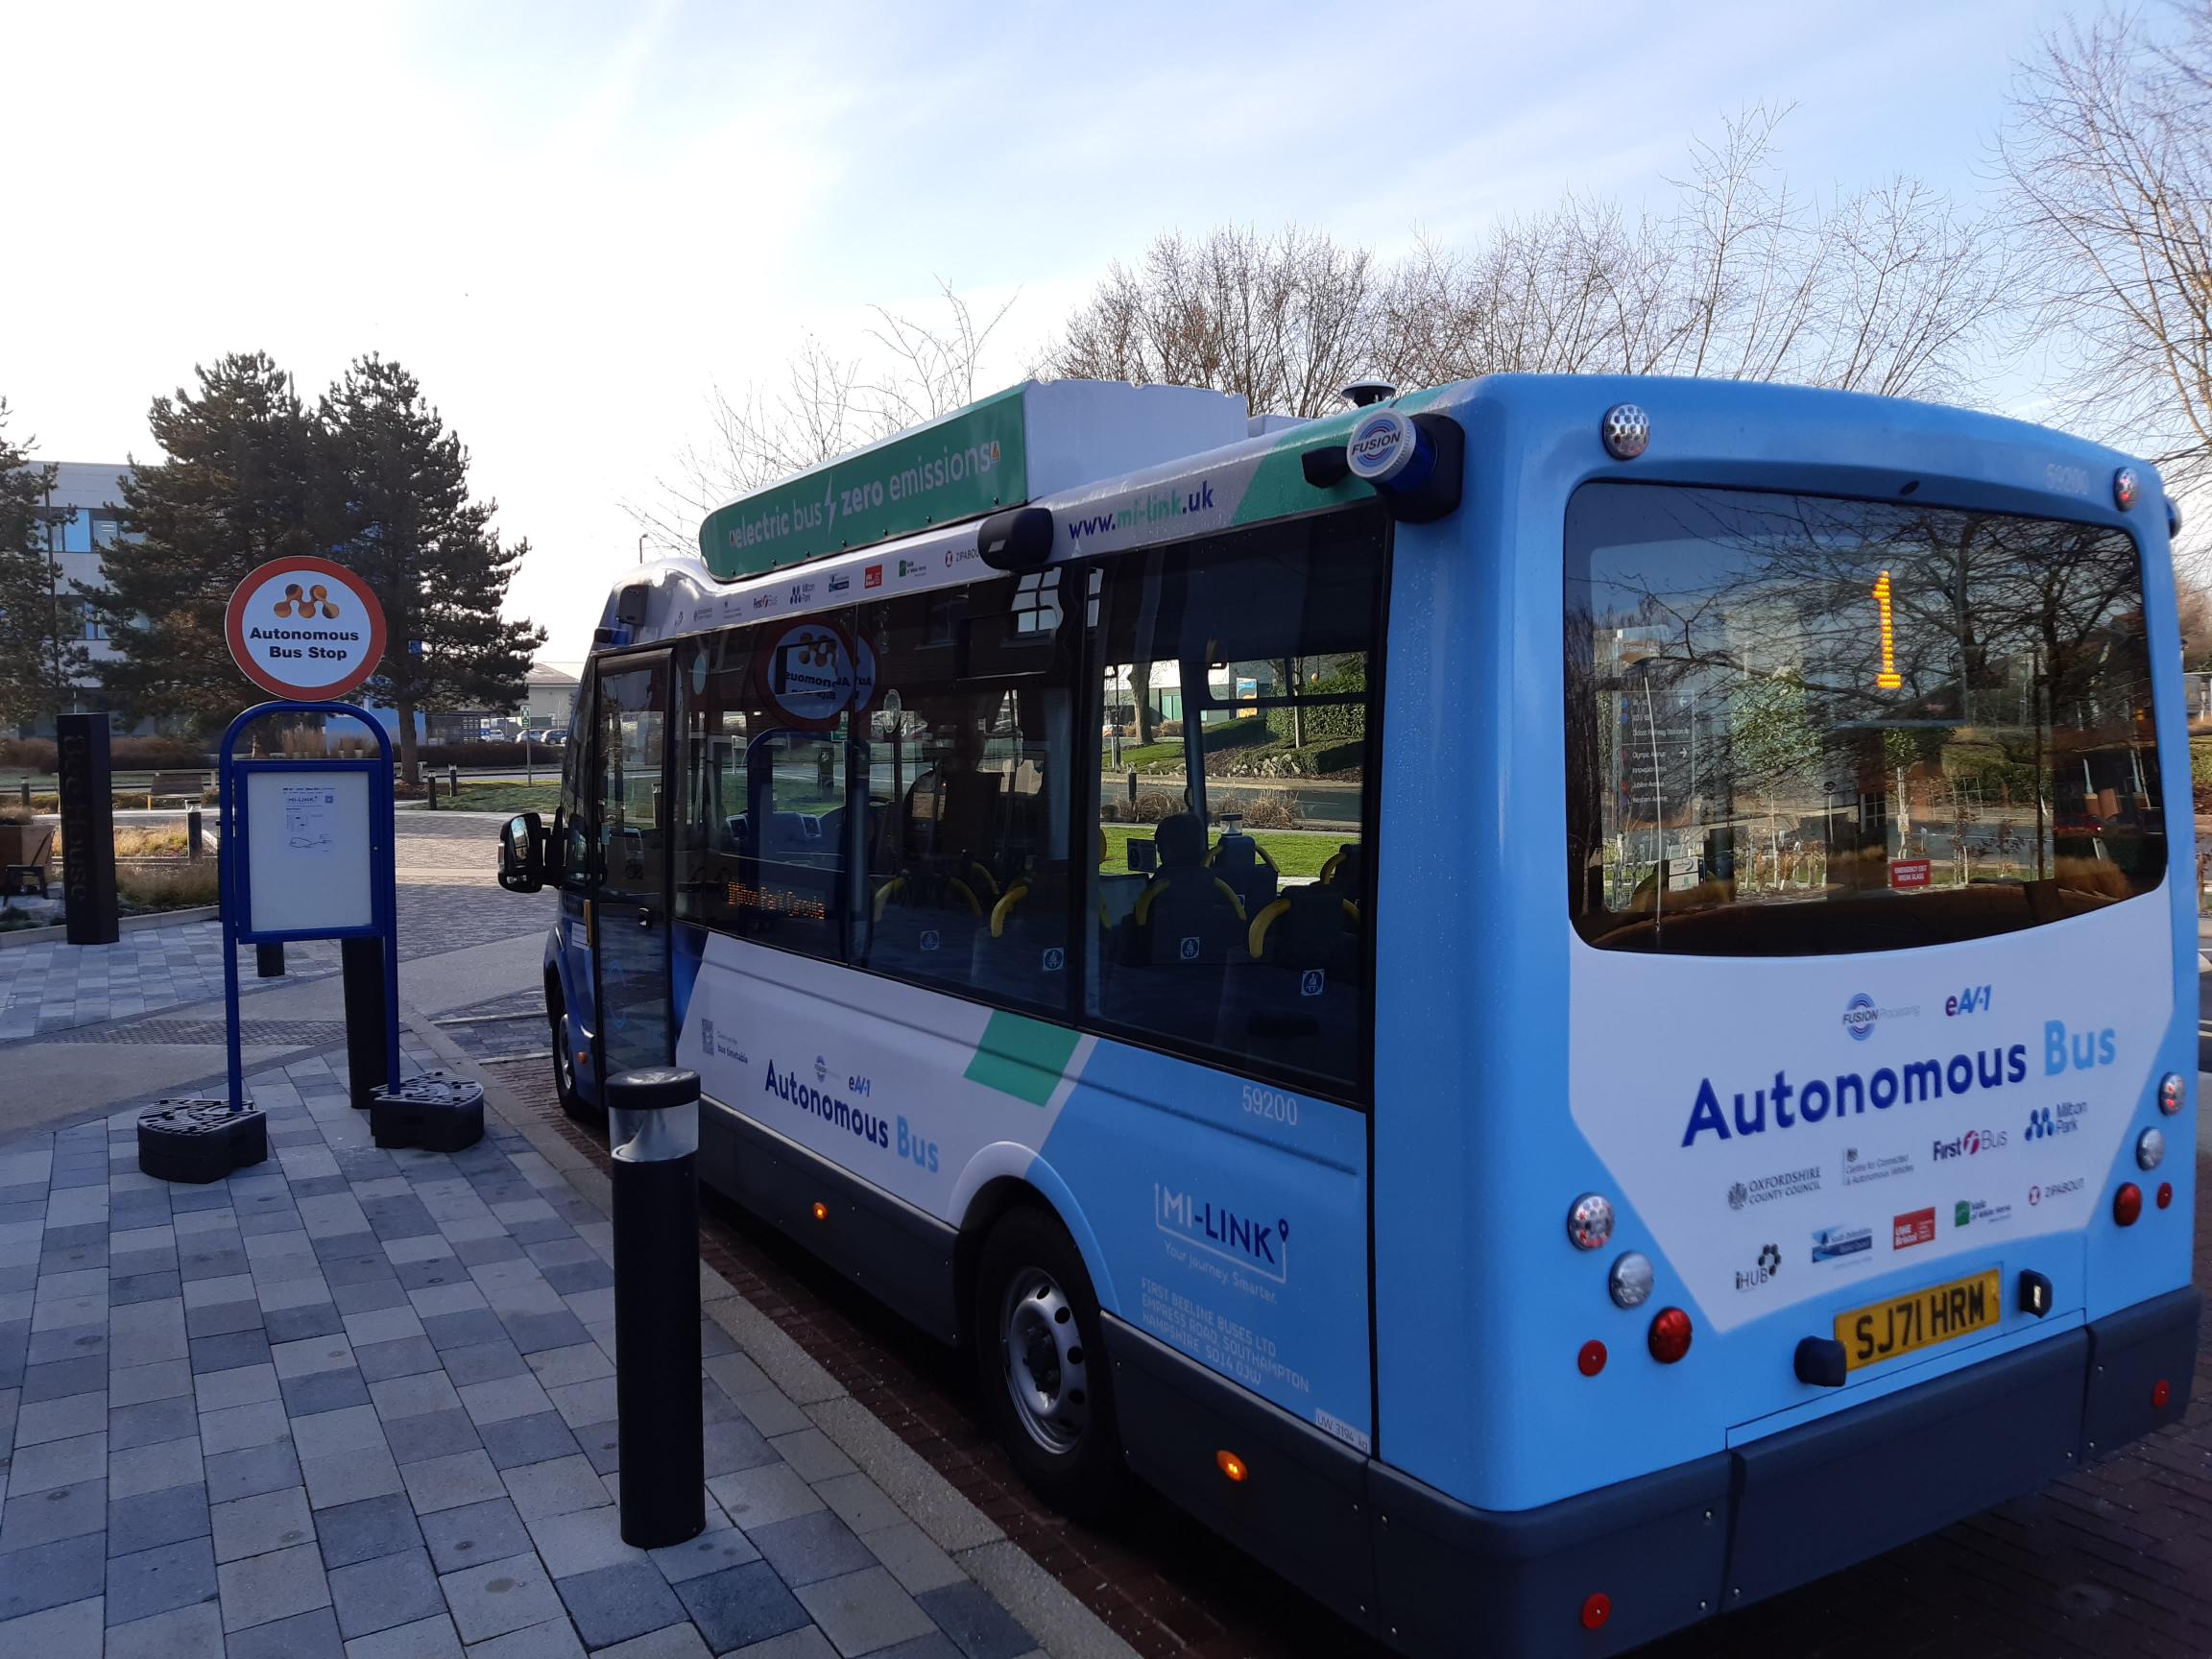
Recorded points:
(39, 661)
(236, 492)
(394, 490)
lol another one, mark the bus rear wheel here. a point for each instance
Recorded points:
(1046, 1382)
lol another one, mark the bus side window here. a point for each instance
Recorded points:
(575, 817)
(1233, 871)
(766, 852)
(968, 750)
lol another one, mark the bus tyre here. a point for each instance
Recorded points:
(1046, 1382)
(564, 1061)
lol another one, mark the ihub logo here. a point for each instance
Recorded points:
(1973, 1141)
(1769, 1265)
(314, 602)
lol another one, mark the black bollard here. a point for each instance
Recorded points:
(431, 778)
(87, 803)
(653, 1126)
(362, 961)
(269, 961)
(195, 836)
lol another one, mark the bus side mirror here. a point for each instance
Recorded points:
(522, 854)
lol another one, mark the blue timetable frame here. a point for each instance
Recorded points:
(236, 828)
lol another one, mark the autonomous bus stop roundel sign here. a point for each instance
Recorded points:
(306, 628)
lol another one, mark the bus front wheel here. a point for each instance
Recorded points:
(564, 1060)
(1046, 1381)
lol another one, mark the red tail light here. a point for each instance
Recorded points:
(2165, 1194)
(1670, 1335)
(2127, 1204)
(2161, 1393)
(1595, 1610)
(1592, 1359)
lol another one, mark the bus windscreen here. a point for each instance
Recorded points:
(1800, 725)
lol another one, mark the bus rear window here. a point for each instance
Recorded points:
(1798, 726)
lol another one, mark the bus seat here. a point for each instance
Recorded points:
(1187, 915)
(1023, 949)
(925, 923)
(1347, 870)
(1245, 864)
(1298, 1000)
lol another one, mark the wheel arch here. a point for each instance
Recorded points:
(1039, 1188)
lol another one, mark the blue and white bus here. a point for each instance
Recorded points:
(1558, 1003)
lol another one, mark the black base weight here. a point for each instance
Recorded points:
(200, 1140)
(437, 1111)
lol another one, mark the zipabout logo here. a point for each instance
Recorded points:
(2053, 1189)
(1859, 1015)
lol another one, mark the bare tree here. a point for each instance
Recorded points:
(825, 406)
(1885, 290)
(2108, 159)
(1283, 320)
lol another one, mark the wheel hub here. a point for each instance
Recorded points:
(1045, 1370)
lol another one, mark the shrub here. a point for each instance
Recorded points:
(28, 753)
(156, 754)
(1168, 728)
(1154, 805)
(480, 753)
(1263, 809)
(167, 886)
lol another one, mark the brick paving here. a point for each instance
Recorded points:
(355, 1401)
(2117, 1559)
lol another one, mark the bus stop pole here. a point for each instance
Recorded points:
(653, 1126)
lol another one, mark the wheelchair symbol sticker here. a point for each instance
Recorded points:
(1312, 982)
(1189, 949)
(1055, 959)
(928, 938)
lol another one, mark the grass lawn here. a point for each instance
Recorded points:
(1296, 853)
(502, 796)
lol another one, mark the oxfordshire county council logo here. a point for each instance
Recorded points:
(706, 1035)
(1736, 1195)
(1859, 1017)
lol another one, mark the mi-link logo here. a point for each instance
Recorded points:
(1257, 1247)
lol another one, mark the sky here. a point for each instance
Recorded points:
(571, 220)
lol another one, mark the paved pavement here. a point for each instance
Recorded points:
(356, 1401)
(2118, 1558)
(151, 1002)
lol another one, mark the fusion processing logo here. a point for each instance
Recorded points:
(315, 602)
(1859, 1017)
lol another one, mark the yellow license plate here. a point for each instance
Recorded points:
(1922, 1319)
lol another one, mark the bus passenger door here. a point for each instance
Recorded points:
(636, 806)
